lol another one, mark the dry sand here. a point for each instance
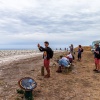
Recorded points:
(80, 84)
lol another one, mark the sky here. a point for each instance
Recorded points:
(25, 23)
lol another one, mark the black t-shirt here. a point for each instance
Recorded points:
(96, 54)
(47, 49)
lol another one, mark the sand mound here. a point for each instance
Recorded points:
(86, 48)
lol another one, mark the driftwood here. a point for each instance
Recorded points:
(42, 71)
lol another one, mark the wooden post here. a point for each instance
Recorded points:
(42, 71)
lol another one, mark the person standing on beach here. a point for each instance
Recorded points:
(72, 50)
(48, 53)
(97, 58)
(80, 50)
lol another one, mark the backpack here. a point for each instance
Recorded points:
(82, 50)
(51, 52)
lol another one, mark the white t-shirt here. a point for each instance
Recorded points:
(70, 55)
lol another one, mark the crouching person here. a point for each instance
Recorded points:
(63, 62)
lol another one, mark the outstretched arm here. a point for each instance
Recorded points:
(41, 48)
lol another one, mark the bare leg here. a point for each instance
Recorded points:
(48, 71)
(99, 65)
(96, 66)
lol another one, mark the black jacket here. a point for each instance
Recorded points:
(97, 55)
(47, 49)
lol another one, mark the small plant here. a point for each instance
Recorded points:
(19, 91)
(27, 94)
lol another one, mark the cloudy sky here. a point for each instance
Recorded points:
(24, 23)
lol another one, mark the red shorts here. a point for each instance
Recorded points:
(46, 63)
(97, 61)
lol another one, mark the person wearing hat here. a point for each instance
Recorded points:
(97, 58)
(46, 57)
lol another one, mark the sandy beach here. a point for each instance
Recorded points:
(79, 84)
(9, 56)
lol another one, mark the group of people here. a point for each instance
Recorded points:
(64, 60)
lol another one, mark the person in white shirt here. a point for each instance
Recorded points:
(70, 57)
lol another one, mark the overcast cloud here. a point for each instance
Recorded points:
(25, 23)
